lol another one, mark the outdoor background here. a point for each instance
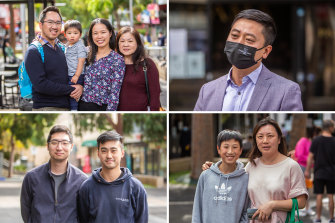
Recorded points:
(19, 25)
(193, 141)
(23, 146)
(303, 50)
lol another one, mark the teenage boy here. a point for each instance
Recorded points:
(222, 190)
(112, 194)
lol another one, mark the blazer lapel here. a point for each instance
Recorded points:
(220, 91)
(260, 91)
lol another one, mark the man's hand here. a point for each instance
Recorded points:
(74, 79)
(307, 174)
(76, 94)
(206, 165)
(310, 161)
(291, 154)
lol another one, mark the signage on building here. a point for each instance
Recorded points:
(154, 13)
(196, 64)
(144, 17)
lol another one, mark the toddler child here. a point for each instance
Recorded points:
(75, 54)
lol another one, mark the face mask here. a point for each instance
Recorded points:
(240, 55)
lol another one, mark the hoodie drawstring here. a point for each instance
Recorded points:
(217, 191)
(226, 194)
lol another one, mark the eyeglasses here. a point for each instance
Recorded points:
(64, 143)
(50, 23)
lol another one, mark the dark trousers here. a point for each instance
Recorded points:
(90, 106)
(73, 102)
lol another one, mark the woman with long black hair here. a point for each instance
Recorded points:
(105, 71)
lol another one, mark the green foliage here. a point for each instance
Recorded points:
(20, 168)
(142, 31)
(77, 9)
(152, 126)
(148, 186)
(179, 177)
(90, 122)
(6, 155)
(87, 10)
(27, 127)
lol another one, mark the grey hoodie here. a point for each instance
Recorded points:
(221, 197)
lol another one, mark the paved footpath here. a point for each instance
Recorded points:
(10, 202)
(181, 205)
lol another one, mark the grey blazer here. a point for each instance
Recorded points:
(272, 93)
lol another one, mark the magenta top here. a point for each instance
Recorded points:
(302, 150)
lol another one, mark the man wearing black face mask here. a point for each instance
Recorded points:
(249, 85)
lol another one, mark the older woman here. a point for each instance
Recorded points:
(138, 93)
(274, 178)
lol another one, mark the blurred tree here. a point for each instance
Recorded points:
(299, 124)
(26, 128)
(152, 126)
(202, 142)
(87, 10)
(78, 10)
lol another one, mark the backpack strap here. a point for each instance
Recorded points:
(39, 48)
(61, 46)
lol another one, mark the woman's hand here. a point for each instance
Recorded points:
(264, 211)
(206, 165)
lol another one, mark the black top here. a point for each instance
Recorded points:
(323, 149)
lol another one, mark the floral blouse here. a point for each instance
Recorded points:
(103, 80)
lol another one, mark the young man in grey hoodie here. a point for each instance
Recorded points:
(222, 190)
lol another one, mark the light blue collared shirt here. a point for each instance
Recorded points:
(237, 98)
(39, 37)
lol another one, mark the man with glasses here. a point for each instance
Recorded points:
(49, 192)
(49, 78)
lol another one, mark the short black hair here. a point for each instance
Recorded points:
(60, 128)
(269, 26)
(227, 134)
(49, 9)
(72, 24)
(109, 136)
(326, 124)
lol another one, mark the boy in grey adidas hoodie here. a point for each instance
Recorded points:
(222, 191)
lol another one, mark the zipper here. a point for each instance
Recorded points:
(54, 194)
